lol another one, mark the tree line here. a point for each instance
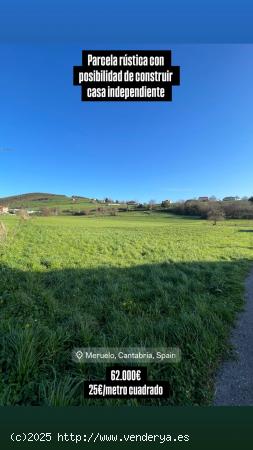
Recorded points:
(214, 210)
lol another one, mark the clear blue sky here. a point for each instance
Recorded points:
(199, 144)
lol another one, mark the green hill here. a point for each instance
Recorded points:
(38, 200)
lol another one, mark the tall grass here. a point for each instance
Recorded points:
(3, 233)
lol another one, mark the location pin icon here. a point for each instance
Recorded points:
(79, 354)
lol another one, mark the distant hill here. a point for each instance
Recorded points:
(37, 200)
(30, 197)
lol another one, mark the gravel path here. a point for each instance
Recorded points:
(234, 382)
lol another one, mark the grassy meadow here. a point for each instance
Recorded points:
(134, 279)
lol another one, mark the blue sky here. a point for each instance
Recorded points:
(126, 21)
(199, 144)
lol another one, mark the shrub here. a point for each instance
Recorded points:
(23, 214)
(82, 212)
(231, 210)
(49, 211)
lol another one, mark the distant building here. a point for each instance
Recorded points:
(4, 209)
(203, 199)
(132, 202)
(230, 199)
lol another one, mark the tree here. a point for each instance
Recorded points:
(215, 214)
(151, 204)
(165, 204)
(251, 199)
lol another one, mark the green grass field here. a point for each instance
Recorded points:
(134, 279)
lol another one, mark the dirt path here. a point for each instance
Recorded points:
(234, 383)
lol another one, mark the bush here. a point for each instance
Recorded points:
(49, 212)
(229, 210)
(23, 214)
(238, 210)
(83, 212)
